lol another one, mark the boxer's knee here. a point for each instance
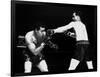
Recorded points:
(43, 66)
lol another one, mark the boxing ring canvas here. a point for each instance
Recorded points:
(25, 15)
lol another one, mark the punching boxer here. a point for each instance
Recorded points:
(34, 40)
(81, 39)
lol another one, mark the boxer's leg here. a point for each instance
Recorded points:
(43, 66)
(73, 64)
(89, 56)
(77, 58)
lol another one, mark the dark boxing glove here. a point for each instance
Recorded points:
(52, 45)
(71, 34)
(50, 32)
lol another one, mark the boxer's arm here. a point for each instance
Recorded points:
(63, 28)
(35, 50)
(29, 40)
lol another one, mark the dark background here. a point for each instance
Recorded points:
(25, 15)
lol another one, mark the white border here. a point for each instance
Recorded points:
(5, 28)
(84, 2)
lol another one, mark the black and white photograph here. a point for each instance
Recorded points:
(52, 38)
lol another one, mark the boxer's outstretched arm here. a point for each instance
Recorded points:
(63, 28)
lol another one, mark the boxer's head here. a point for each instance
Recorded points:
(40, 29)
(76, 17)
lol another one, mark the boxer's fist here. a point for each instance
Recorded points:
(71, 34)
(50, 32)
(55, 46)
(42, 45)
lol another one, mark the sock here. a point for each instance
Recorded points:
(89, 64)
(74, 63)
(27, 66)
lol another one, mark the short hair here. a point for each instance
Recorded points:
(37, 26)
(78, 13)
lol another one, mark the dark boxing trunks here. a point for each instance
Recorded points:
(35, 59)
(81, 50)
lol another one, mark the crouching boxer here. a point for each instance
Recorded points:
(34, 40)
